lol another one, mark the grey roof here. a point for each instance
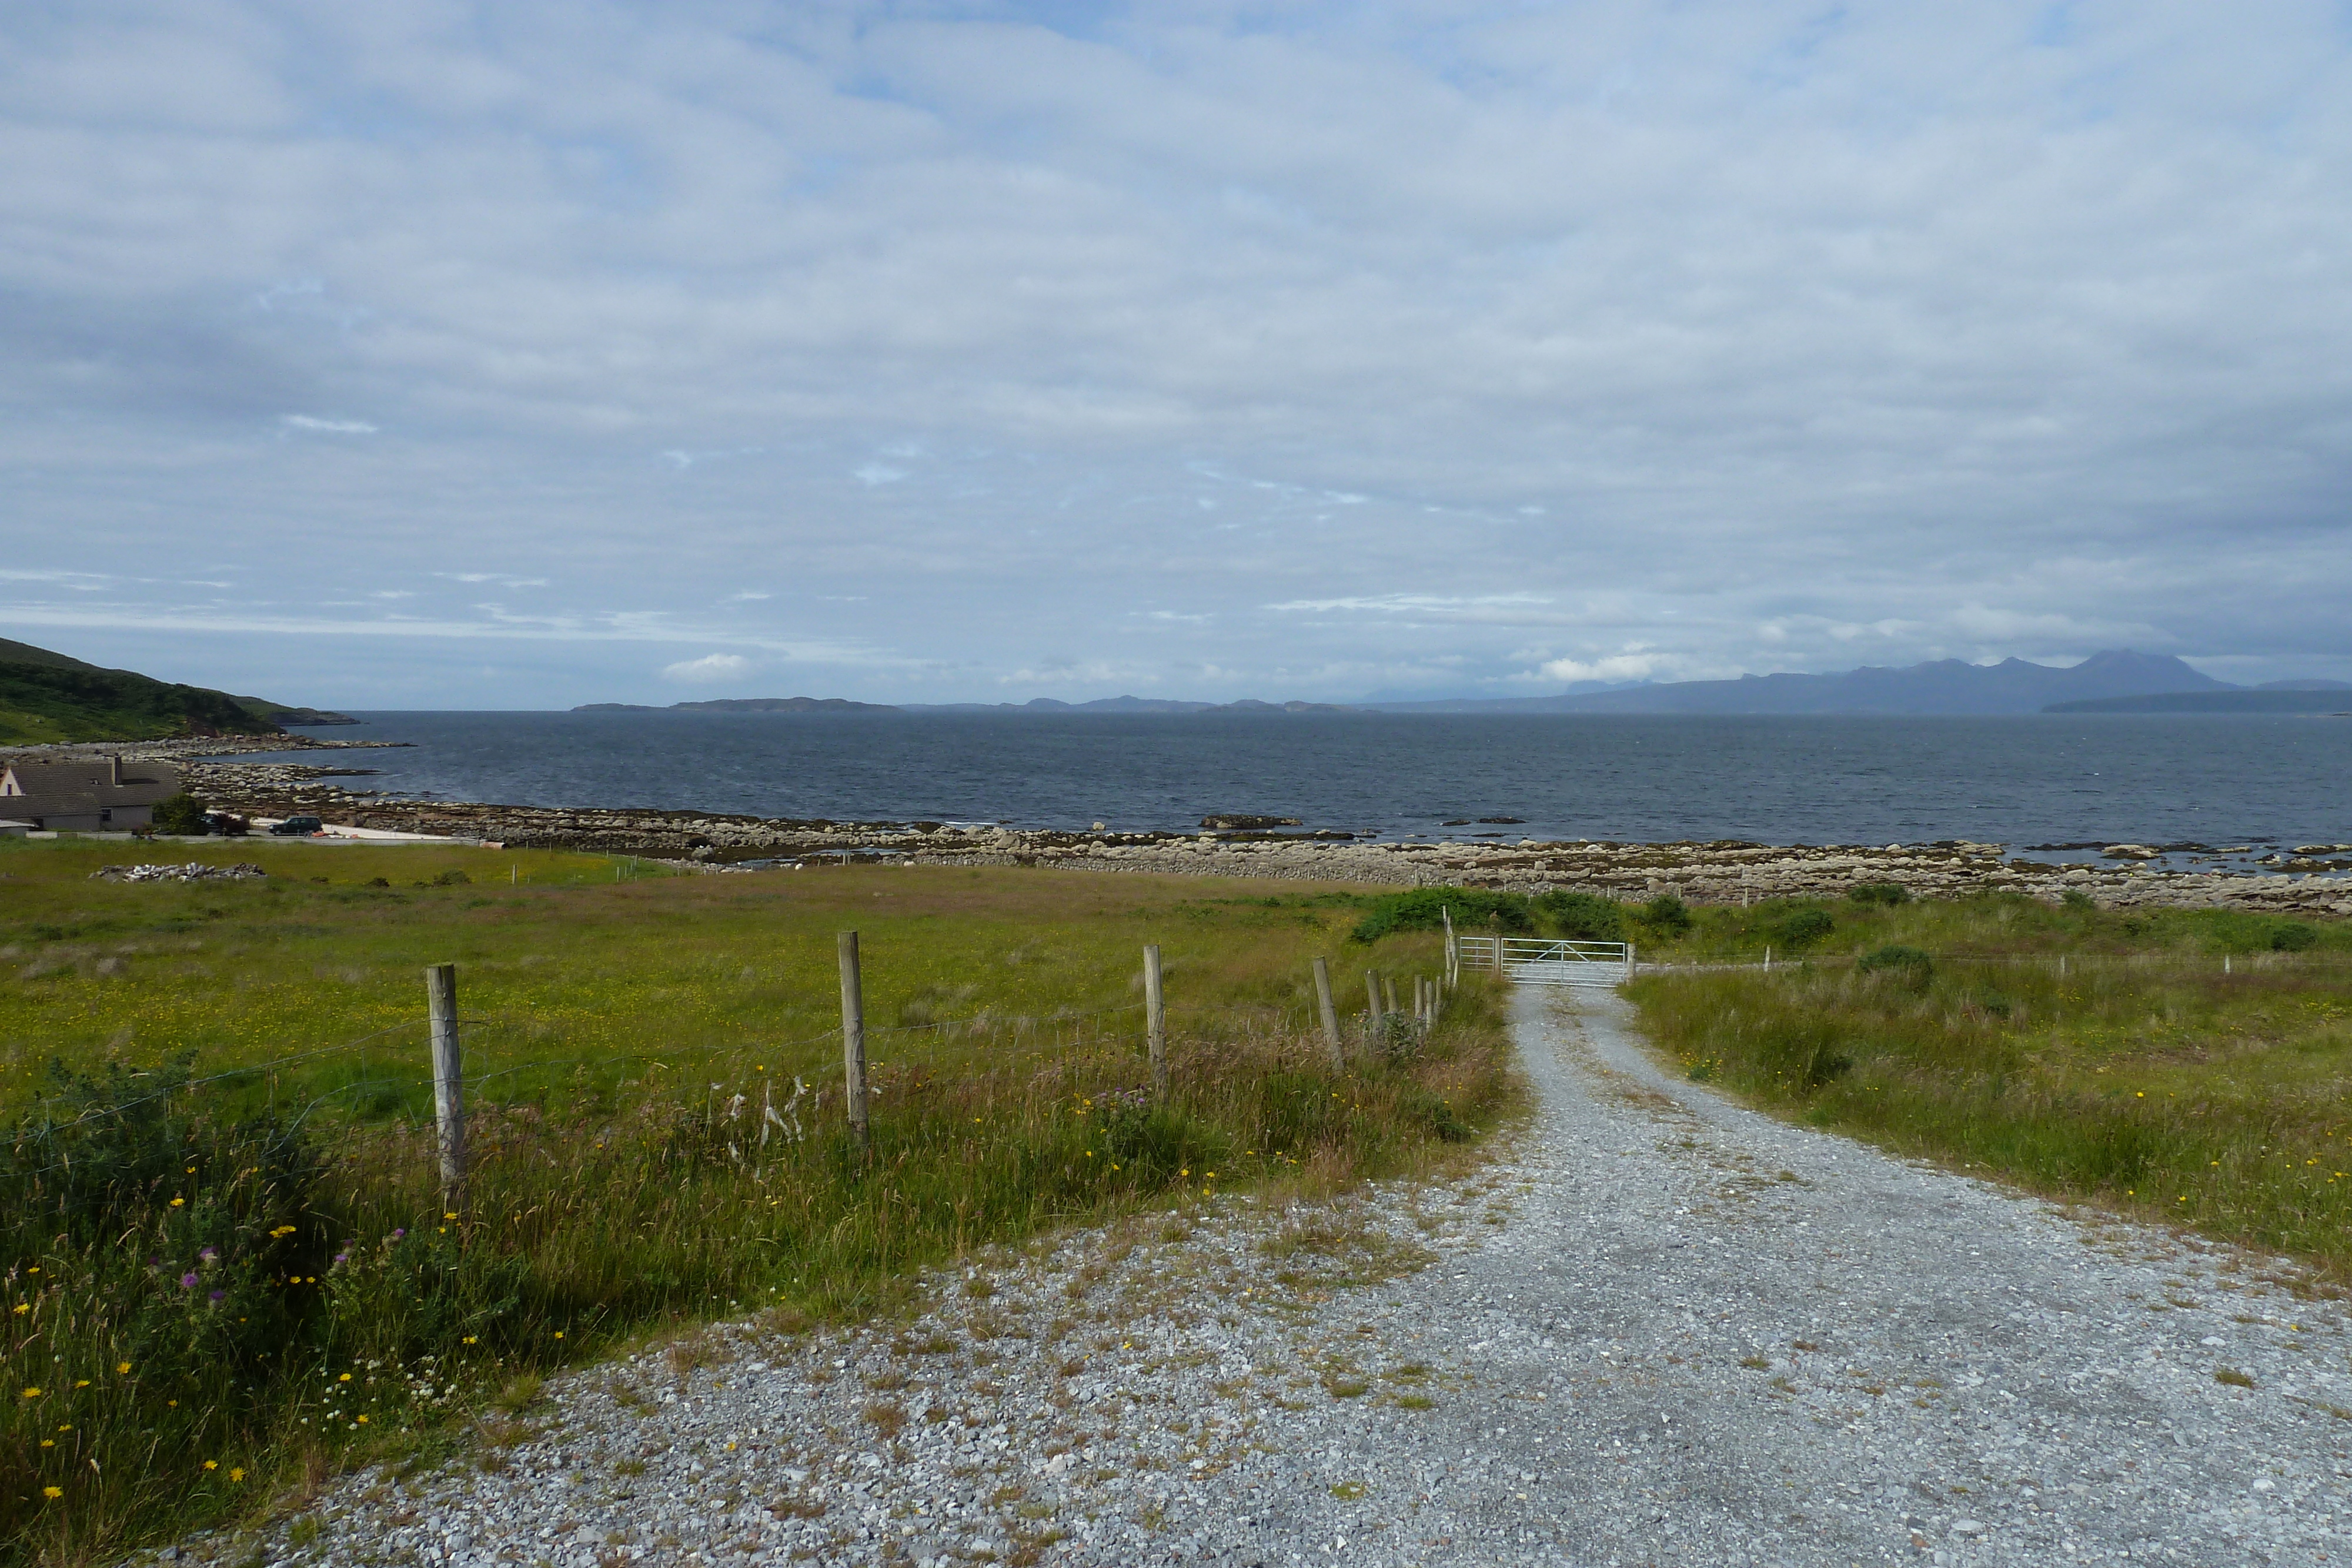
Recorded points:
(84, 789)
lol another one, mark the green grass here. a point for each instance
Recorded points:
(2184, 1066)
(44, 701)
(624, 1036)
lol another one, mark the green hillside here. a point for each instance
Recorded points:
(48, 696)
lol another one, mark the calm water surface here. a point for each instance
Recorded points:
(2158, 779)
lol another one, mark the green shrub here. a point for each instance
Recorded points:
(1884, 894)
(1581, 916)
(1399, 1039)
(452, 878)
(1665, 916)
(2081, 903)
(1910, 965)
(1802, 928)
(1151, 1143)
(1435, 1113)
(1424, 909)
(180, 813)
(2241, 931)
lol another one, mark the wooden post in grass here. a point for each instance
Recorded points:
(1331, 1014)
(852, 1038)
(1388, 996)
(1452, 953)
(1155, 1019)
(449, 1080)
(1371, 1003)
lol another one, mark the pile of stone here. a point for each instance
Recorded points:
(190, 870)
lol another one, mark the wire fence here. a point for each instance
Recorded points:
(2065, 965)
(1062, 1029)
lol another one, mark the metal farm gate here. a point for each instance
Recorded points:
(1536, 961)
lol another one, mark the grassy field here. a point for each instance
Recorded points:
(228, 1266)
(2188, 1067)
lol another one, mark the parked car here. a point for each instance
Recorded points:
(296, 827)
(227, 824)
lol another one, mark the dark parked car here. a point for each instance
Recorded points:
(227, 824)
(293, 827)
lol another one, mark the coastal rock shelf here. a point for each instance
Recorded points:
(1723, 872)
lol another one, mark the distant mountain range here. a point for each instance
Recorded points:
(1128, 704)
(2118, 680)
(1947, 686)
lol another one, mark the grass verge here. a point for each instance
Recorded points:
(228, 1271)
(2182, 1066)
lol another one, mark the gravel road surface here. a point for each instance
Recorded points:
(1660, 1329)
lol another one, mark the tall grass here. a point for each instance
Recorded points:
(2154, 1081)
(220, 1288)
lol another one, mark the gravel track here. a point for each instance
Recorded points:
(1659, 1329)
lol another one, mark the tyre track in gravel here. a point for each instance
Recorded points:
(1659, 1328)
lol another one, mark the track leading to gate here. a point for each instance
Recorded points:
(1710, 1336)
(1661, 1329)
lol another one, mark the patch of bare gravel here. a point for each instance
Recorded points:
(1659, 1329)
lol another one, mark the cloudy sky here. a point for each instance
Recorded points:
(526, 354)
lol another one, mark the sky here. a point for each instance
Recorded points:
(521, 355)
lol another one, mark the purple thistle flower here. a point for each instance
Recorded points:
(188, 1281)
(219, 1294)
(342, 1257)
(398, 1234)
(208, 1254)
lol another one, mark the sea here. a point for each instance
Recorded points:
(2060, 786)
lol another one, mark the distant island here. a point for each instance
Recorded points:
(1036, 705)
(745, 705)
(2283, 696)
(48, 696)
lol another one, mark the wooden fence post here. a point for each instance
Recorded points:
(448, 1081)
(1155, 1014)
(1452, 953)
(853, 1038)
(1331, 1014)
(1371, 1001)
(1388, 996)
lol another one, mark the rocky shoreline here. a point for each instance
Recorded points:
(2310, 880)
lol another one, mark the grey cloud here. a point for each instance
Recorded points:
(1451, 345)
